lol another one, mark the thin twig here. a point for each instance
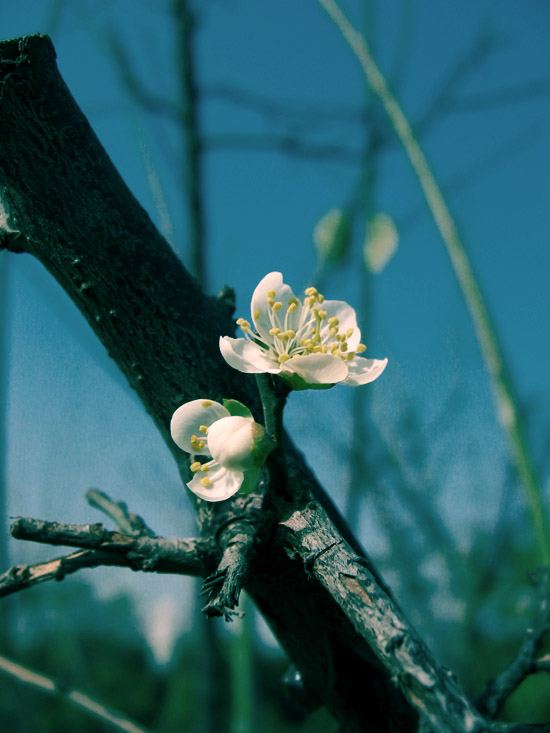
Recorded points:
(127, 521)
(492, 699)
(79, 699)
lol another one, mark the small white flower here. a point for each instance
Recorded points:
(312, 343)
(236, 444)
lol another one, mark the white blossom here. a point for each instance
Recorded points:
(312, 343)
(236, 445)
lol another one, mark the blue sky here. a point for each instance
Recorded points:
(71, 421)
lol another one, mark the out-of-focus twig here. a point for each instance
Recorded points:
(127, 521)
(50, 686)
(507, 410)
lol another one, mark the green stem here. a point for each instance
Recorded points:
(505, 400)
(242, 675)
(273, 393)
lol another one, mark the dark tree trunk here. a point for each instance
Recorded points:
(65, 204)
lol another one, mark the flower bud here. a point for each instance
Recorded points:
(237, 443)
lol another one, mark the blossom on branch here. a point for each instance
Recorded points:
(314, 343)
(228, 435)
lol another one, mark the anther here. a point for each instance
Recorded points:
(322, 314)
(257, 314)
(292, 307)
(270, 295)
(206, 482)
(349, 332)
(205, 467)
(333, 321)
(196, 466)
(282, 358)
(206, 403)
(274, 331)
(203, 429)
(360, 348)
(310, 291)
(277, 305)
(350, 356)
(290, 334)
(343, 346)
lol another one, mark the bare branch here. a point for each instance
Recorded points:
(194, 557)
(492, 699)
(79, 699)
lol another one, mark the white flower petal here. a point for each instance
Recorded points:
(363, 371)
(231, 442)
(188, 418)
(318, 368)
(224, 483)
(346, 319)
(260, 309)
(246, 356)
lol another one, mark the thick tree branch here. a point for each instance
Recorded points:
(70, 209)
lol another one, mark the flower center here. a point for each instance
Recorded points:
(315, 332)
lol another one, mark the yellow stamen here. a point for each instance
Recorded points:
(350, 356)
(343, 346)
(333, 331)
(277, 305)
(360, 348)
(197, 444)
(203, 429)
(290, 334)
(257, 314)
(205, 468)
(292, 307)
(320, 298)
(282, 358)
(245, 325)
(340, 337)
(333, 348)
(322, 314)
(206, 482)
(206, 403)
(275, 331)
(333, 321)
(324, 349)
(270, 294)
(349, 332)
(196, 466)
(311, 291)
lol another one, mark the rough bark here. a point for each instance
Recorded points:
(64, 203)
